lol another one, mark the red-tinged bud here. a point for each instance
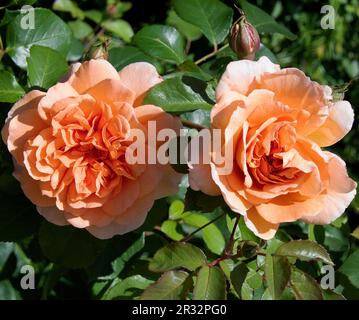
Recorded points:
(245, 40)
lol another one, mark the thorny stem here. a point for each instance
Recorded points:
(227, 253)
(229, 247)
(212, 54)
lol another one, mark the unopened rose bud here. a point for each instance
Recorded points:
(244, 39)
(101, 50)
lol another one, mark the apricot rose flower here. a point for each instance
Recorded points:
(69, 146)
(278, 119)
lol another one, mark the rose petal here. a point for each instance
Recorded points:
(140, 77)
(337, 125)
(259, 226)
(22, 123)
(91, 73)
(53, 215)
(239, 75)
(128, 221)
(341, 191)
(110, 91)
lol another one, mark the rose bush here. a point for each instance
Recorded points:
(69, 148)
(82, 83)
(277, 120)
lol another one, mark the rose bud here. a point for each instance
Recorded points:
(244, 39)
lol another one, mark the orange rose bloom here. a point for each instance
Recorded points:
(69, 148)
(278, 120)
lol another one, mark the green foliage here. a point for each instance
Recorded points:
(120, 28)
(304, 250)
(124, 289)
(49, 31)
(172, 285)
(10, 90)
(210, 284)
(45, 66)
(263, 21)
(120, 57)
(177, 255)
(277, 274)
(173, 95)
(212, 234)
(350, 268)
(304, 286)
(211, 16)
(162, 42)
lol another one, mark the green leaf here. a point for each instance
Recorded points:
(335, 239)
(238, 277)
(49, 31)
(162, 42)
(169, 228)
(45, 67)
(114, 258)
(120, 28)
(172, 285)
(177, 255)
(246, 234)
(173, 95)
(68, 6)
(277, 274)
(212, 235)
(191, 69)
(8, 16)
(176, 209)
(305, 250)
(350, 268)
(265, 52)
(304, 286)
(286, 295)
(80, 29)
(76, 50)
(263, 22)
(190, 31)
(210, 284)
(331, 295)
(213, 17)
(51, 279)
(6, 249)
(94, 15)
(8, 292)
(120, 57)
(199, 116)
(10, 90)
(123, 288)
(119, 263)
(68, 246)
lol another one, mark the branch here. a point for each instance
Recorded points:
(212, 54)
